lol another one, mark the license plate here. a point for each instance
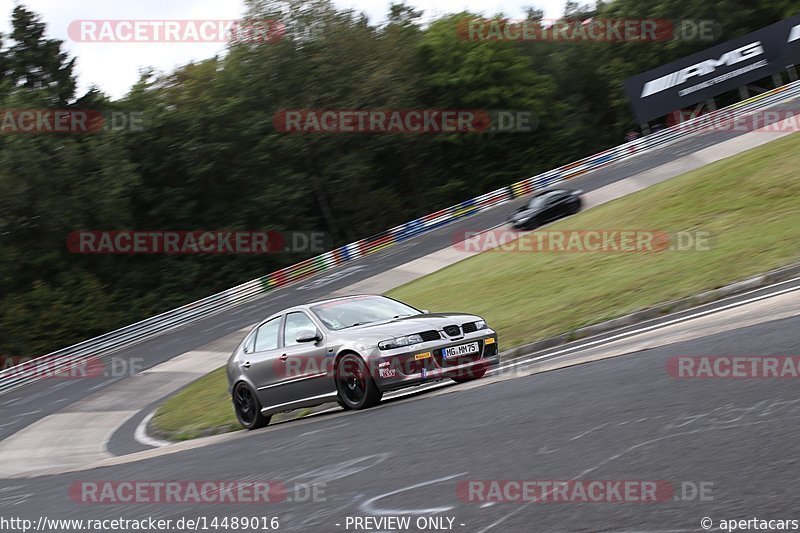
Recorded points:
(461, 349)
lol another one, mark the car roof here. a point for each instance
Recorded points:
(551, 191)
(339, 298)
(309, 305)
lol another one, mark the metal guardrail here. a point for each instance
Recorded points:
(103, 345)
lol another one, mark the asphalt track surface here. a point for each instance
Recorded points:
(624, 418)
(26, 405)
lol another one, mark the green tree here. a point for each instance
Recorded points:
(36, 63)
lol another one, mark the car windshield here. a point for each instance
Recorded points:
(340, 314)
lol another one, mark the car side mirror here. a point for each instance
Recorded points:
(426, 311)
(308, 335)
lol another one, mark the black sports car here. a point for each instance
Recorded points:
(546, 206)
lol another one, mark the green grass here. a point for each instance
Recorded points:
(749, 203)
(201, 408)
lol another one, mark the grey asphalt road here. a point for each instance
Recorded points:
(625, 418)
(26, 405)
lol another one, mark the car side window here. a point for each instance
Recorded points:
(294, 324)
(536, 202)
(267, 335)
(543, 200)
(250, 344)
(554, 199)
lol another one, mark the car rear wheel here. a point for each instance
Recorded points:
(356, 388)
(470, 374)
(248, 408)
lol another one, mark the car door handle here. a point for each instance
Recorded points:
(246, 364)
(284, 357)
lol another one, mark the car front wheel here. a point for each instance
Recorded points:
(354, 384)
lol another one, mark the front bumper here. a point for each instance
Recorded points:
(425, 362)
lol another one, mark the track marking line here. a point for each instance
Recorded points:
(370, 510)
(142, 437)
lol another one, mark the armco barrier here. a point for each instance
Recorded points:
(115, 340)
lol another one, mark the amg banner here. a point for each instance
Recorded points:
(713, 71)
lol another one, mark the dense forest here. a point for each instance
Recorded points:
(208, 155)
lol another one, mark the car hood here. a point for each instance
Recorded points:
(409, 325)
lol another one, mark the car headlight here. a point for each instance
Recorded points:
(481, 324)
(397, 342)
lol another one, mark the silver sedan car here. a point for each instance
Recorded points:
(352, 350)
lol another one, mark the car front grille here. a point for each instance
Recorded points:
(469, 327)
(452, 331)
(431, 335)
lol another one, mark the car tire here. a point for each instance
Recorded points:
(470, 374)
(247, 407)
(354, 384)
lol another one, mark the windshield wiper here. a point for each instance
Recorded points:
(371, 321)
(356, 324)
